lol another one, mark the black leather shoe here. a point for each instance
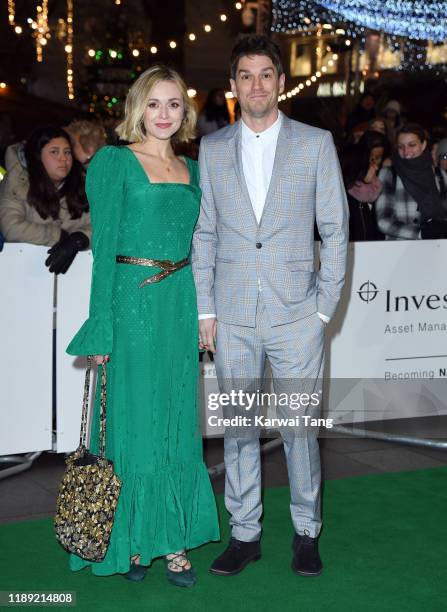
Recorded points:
(306, 559)
(236, 556)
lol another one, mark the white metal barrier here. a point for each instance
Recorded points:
(26, 315)
(73, 290)
(392, 322)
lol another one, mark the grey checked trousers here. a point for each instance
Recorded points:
(295, 352)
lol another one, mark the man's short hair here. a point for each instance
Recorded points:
(254, 44)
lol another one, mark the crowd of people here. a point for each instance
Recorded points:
(395, 176)
(42, 197)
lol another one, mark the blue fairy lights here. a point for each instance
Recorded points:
(414, 19)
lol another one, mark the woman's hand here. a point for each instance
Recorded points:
(207, 334)
(371, 174)
(100, 359)
(62, 254)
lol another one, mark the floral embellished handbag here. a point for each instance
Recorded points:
(89, 491)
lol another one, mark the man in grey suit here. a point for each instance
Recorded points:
(265, 180)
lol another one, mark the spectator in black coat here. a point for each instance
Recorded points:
(360, 165)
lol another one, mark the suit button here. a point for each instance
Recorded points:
(259, 245)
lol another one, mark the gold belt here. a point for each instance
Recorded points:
(168, 266)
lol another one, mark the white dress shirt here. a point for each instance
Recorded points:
(258, 155)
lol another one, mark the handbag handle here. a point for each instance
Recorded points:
(102, 412)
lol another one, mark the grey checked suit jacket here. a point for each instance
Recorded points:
(231, 252)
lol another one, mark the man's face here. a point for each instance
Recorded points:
(257, 85)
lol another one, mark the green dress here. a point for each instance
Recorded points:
(151, 333)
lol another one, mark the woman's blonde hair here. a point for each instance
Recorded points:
(132, 127)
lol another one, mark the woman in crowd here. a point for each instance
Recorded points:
(43, 199)
(143, 319)
(214, 114)
(411, 205)
(393, 118)
(361, 164)
(363, 112)
(441, 155)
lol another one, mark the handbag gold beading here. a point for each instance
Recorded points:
(89, 491)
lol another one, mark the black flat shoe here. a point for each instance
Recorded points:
(236, 556)
(136, 572)
(306, 559)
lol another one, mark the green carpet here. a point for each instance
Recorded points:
(383, 547)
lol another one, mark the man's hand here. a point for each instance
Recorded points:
(207, 334)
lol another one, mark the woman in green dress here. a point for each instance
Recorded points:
(143, 320)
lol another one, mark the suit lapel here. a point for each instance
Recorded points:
(237, 163)
(282, 154)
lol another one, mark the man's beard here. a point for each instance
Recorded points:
(259, 112)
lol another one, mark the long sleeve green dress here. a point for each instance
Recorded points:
(151, 333)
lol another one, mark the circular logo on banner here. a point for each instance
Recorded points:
(368, 292)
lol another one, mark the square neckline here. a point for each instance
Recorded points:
(151, 182)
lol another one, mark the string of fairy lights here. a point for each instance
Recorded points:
(41, 33)
(406, 26)
(11, 12)
(415, 19)
(192, 37)
(310, 80)
(69, 50)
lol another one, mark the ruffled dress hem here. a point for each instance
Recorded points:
(157, 514)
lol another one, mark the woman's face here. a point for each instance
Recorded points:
(410, 146)
(219, 98)
(57, 159)
(165, 110)
(368, 102)
(376, 156)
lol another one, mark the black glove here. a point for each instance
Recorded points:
(62, 254)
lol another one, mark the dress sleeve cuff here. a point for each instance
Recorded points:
(94, 338)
